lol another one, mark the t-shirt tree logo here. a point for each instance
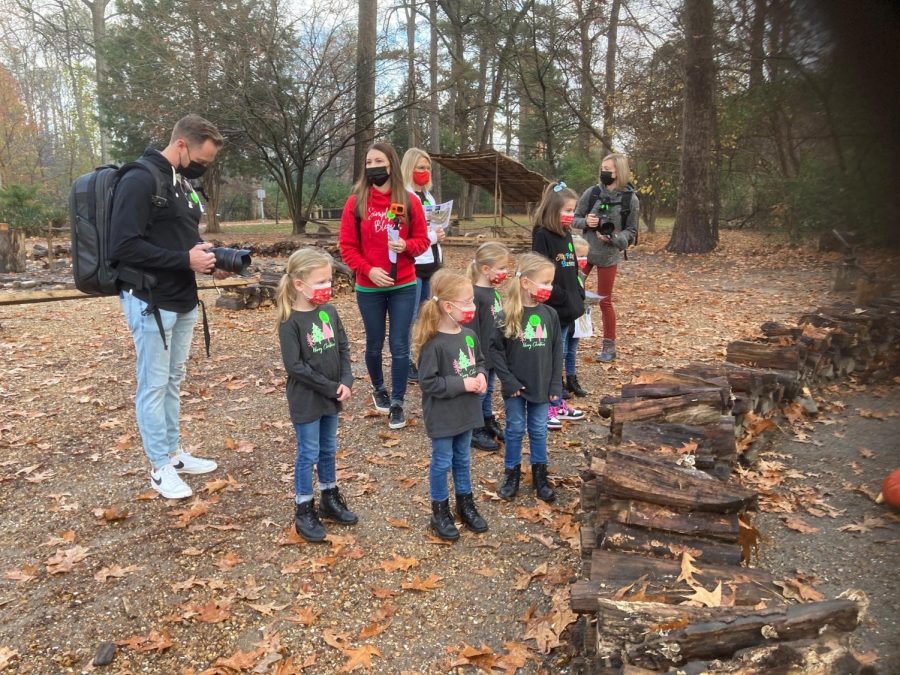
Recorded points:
(497, 308)
(534, 335)
(321, 338)
(465, 365)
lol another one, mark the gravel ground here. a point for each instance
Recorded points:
(194, 586)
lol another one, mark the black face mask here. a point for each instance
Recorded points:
(377, 175)
(193, 169)
(606, 177)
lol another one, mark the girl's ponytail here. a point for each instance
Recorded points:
(445, 285)
(529, 264)
(299, 265)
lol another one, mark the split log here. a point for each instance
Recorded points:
(822, 657)
(661, 384)
(700, 408)
(775, 329)
(725, 527)
(618, 537)
(609, 571)
(633, 476)
(716, 440)
(658, 635)
(761, 355)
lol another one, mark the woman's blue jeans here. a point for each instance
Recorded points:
(452, 453)
(519, 415)
(388, 311)
(316, 446)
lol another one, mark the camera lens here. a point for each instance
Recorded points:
(234, 260)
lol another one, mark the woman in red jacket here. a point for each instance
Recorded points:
(382, 232)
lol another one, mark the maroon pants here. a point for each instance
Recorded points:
(606, 277)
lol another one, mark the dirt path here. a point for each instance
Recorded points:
(194, 582)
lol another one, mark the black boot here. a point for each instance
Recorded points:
(493, 425)
(307, 522)
(442, 521)
(573, 385)
(333, 507)
(510, 485)
(541, 486)
(483, 439)
(465, 509)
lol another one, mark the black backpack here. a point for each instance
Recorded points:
(625, 211)
(90, 211)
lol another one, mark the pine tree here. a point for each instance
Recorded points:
(317, 334)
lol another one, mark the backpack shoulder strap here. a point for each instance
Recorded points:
(595, 195)
(158, 199)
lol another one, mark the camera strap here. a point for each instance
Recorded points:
(206, 336)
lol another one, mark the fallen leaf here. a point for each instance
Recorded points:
(865, 452)
(65, 559)
(799, 525)
(417, 584)
(687, 569)
(706, 598)
(395, 522)
(24, 575)
(7, 656)
(382, 593)
(158, 642)
(525, 578)
(334, 639)
(227, 561)
(114, 571)
(111, 514)
(305, 616)
(239, 661)
(482, 657)
(268, 608)
(794, 589)
(360, 657)
(398, 563)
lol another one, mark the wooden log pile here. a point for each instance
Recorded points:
(663, 524)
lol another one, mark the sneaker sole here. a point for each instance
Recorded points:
(554, 428)
(379, 409)
(573, 419)
(394, 425)
(170, 495)
(196, 472)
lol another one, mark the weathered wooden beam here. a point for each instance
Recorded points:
(31, 297)
(619, 537)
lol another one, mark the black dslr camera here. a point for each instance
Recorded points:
(601, 210)
(234, 260)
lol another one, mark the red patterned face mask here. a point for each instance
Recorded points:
(465, 315)
(421, 177)
(320, 293)
(542, 293)
(566, 219)
(582, 263)
(498, 277)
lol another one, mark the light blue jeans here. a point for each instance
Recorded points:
(522, 415)
(451, 454)
(157, 399)
(316, 446)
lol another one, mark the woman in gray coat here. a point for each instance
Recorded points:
(600, 214)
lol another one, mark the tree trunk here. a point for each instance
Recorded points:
(12, 249)
(98, 25)
(609, 106)
(212, 185)
(694, 230)
(434, 112)
(757, 43)
(365, 85)
(411, 96)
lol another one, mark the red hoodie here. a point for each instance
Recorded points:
(372, 251)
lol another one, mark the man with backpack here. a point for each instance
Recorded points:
(154, 241)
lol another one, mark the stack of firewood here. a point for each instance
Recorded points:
(663, 525)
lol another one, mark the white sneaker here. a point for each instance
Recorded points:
(168, 483)
(184, 462)
(564, 412)
(553, 423)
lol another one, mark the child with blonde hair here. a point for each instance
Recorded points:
(583, 326)
(452, 378)
(552, 238)
(316, 356)
(488, 271)
(527, 355)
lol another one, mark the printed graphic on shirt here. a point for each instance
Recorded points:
(465, 365)
(535, 334)
(380, 220)
(567, 259)
(497, 309)
(321, 338)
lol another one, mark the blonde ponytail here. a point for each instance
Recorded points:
(299, 265)
(529, 265)
(445, 285)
